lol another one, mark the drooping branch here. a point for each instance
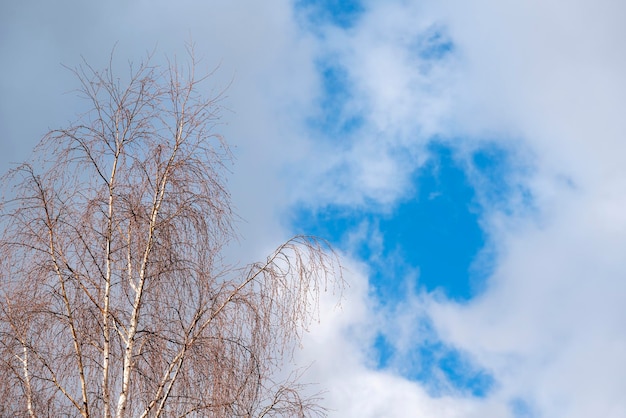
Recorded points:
(116, 242)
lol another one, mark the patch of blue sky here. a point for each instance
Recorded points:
(434, 44)
(461, 372)
(494, 169)
(383, 351)
(492, 162)
(522, 409)
(335, 118)
(440, 368)
(437, 229)
(433, 233)
(340, 13)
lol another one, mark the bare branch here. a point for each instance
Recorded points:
(118, 301)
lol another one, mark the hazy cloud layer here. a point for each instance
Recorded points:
(542, 80)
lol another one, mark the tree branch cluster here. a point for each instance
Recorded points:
(115, 299)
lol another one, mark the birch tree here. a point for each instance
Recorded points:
(115, 299)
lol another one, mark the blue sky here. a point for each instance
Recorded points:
(441, 251)
(466, 159)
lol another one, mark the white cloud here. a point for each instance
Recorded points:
(545, 78)
(339, 355)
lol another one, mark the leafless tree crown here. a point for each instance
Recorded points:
(115, 300)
